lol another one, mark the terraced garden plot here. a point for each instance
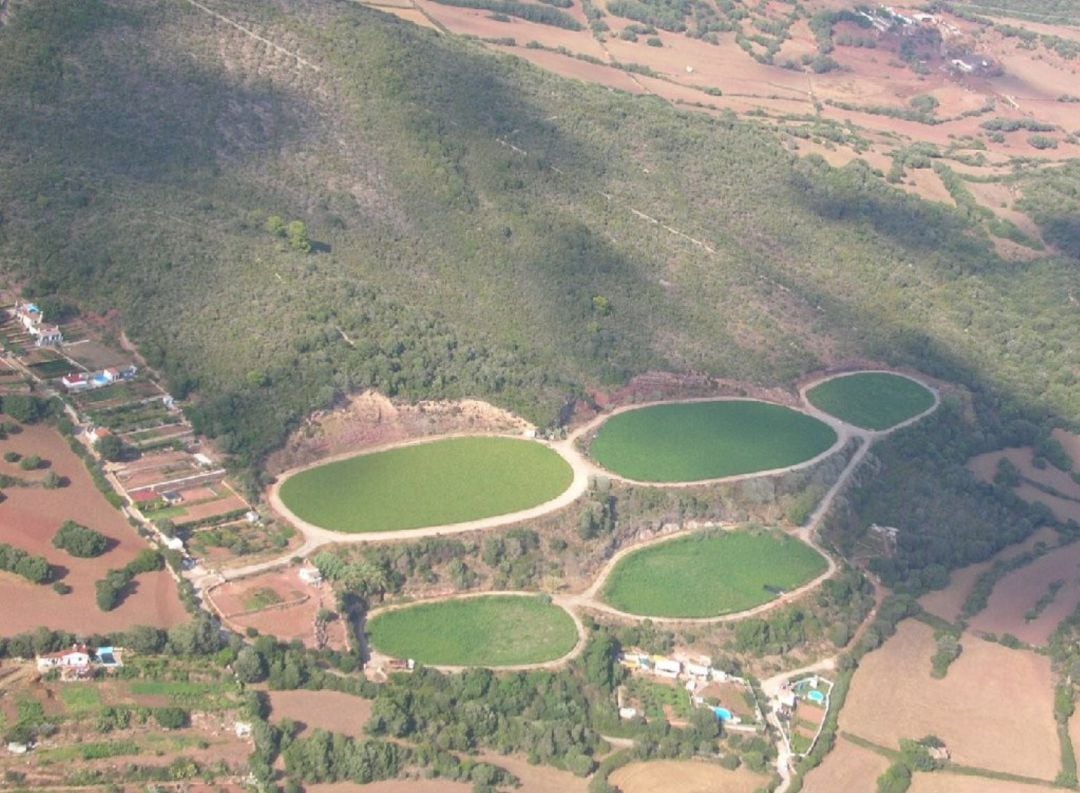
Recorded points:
(871, 400)
(429, 484)
(711, 575)
(695, 441)
(497, 630)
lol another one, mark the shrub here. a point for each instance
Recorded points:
(30, 463)
(80, 541)
(172, 718)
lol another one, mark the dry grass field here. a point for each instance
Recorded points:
(846, 767)
(537, 778)
(893, 696)
(395, 786)
(683, 776)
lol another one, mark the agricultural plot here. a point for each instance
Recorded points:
(871, 400)
(494, 630)
(334, 711)
(994, 709)
(1031, 602)
(30, 517)
(277, 603)
(695, 441)
(427, 484)
(711, 575)
(684, 776)
(847, 767)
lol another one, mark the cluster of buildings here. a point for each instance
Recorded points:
(79, 662)
(33, 321)
(76, 382)
(706, 686)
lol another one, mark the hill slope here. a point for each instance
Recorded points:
(480, 227)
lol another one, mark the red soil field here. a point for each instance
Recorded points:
(893, 697)
(322, 710)
(1017, 592)
(30, 517)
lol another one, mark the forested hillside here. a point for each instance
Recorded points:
(470, 225)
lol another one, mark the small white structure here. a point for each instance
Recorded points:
(310, 575)
(18, 748)
(665, 667)
(628, 713)
(77, 659)
(242, 729)
(203, 460)
(33, 320)
(787, 698)
(697, 670)
(174, 544)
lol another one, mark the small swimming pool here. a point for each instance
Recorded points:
(723, 714)
(816, 697)
(100, 380)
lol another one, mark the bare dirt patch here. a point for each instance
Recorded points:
(1018, 591)
(846, 767)
(947, 603)
(893, 697)
(684, 776)
(370, 419)
(322, 710)
(1071, 442)
(29, 517)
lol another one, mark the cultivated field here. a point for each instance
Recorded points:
(393, 786)
(1017, 592)
(684, 776)
(494, 630)
(710, 575)
(847, 767)
(427, 484)
(536, 778)
(278, 603)
(1050, 486)
(947, 603)
(30, 517)
(694, 441)
(940, 782)
(321, 710)
(993, 710)
(871, 400)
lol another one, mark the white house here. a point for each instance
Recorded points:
(310, 575)
(34, 321)
(665, 667)
(77, 659)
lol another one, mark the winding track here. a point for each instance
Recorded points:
(583, 468)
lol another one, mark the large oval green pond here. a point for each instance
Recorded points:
(709, 575)
(496, 630)
(872, 400)
(693, 441)
(430, 484)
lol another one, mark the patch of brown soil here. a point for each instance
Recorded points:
(537, 778)
(893, 697)
(395, 786)
(940, 782)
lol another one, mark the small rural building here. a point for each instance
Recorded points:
(666, 667)
(31, 318)
(73, 663)
(787, 699)
(75, 382)
(697, 670)
(628, 713)
(174, 544)
(95, 434)
(242, 729)
(14, 747)
(310, 575)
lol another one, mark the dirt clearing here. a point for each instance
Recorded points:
(893, 697)
(957, 783)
